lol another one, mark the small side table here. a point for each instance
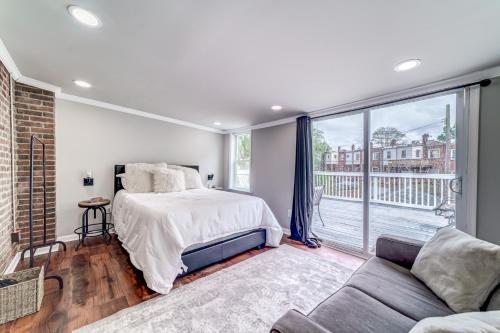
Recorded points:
(93, 229)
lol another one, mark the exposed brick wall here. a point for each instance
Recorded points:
(34, 115)
(6, 248)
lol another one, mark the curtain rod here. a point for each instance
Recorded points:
(482, 83)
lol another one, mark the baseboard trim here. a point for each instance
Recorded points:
(68, 238)
(13, 263)
(40, 251)
(286, 231)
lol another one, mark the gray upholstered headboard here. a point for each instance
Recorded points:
(120, 168)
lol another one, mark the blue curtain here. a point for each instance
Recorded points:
(302, 210)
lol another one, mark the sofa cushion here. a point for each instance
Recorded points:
(294, 321)
(494, 300)
(397, 288)
(352, 311)
(460, 269)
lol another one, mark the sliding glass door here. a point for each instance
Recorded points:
(338, 174)
(388, 170)
(412, 162)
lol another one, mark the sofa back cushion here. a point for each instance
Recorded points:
(460, 269)
(494, 300)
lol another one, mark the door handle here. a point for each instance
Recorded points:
(456, 185)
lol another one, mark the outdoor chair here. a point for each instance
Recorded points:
(318, 194)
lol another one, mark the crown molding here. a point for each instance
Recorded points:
(263, 125)
(9, 62)
(135, 112)
(39, 84)
(11, 66)
(411, 92)
(386, 98)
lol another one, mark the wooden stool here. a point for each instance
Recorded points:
(103, 228)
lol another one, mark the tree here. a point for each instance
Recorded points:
(320, 149)
(243, 143)
(385, 135)
(452, 130)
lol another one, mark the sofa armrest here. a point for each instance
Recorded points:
(400, 250)
(295, 322)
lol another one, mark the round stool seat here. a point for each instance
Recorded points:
(93, 229)
(90, 204)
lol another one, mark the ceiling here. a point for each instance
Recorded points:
(229, 61)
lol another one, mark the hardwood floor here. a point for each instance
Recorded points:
(99, 280)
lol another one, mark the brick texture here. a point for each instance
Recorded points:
(34, 115)
(6, 248)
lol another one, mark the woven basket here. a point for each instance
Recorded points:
(24, 297)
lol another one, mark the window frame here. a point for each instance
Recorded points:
(435, 156)
(234, 160)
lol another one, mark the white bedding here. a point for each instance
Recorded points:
(155, 228)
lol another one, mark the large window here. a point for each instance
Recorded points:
(240, 166)
(404, 188)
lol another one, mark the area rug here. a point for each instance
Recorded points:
(246, 297)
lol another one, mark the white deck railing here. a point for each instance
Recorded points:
(399, 189)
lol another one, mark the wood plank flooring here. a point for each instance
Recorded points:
(99, 280)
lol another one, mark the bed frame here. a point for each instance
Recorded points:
(213, 252)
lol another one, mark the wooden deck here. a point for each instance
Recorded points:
(344, 222)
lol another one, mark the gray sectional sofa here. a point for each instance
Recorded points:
(381, 296)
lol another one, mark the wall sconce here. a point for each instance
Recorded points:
(88, 180)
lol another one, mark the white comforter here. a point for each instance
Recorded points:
(155, 228)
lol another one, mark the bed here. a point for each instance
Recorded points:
(171, 234)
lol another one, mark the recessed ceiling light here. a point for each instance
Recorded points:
(82, 84)
(84, 16)
(217, 123)
(407, 65)
(276, 108)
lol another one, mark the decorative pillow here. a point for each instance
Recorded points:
(140, 176)
(191, 176)
(123, 180)
(460, 269)
(469, 322)
(168, 180)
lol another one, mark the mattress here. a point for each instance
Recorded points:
(157, 228)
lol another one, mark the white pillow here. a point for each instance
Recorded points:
(123, 180)
(469, 322)
(139, 176)
(168, 180)
(460, 269)
(191, 176)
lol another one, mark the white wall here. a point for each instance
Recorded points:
(91, 138)
(273, 168)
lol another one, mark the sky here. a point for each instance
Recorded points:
(414, 118)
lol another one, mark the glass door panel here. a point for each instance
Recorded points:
(412, 162)
(338, 165)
